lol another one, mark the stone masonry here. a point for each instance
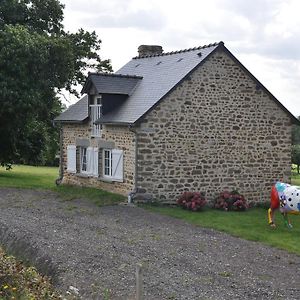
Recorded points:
(124, 140)
(217, 130)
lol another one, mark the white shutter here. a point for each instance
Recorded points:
(71, 158)
(96, 162)
(117, 164)
(90, 160)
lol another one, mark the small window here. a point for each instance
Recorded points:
(83, 159)
(95, 113)
(98, 100)
(107, 163)
(113, 164)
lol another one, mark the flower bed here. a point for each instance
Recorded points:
(192, 201)
(231, 201)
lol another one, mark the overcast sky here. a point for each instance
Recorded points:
(263, 34)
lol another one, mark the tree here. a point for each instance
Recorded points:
(37, 60)
(296, 156)
(296, 134)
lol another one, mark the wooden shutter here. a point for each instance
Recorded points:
(71, 158)
(96, 163)
(90, 160)
(117, 164)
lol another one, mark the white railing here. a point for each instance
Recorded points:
(95, 115)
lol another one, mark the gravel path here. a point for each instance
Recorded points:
(95, 250)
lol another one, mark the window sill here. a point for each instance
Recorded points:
(111, 180)
(83, 175)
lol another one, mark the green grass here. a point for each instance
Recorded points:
(30, 177)
(251, 225)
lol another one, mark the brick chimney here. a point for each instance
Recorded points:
(145, 50)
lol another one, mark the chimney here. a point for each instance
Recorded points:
(145, 50)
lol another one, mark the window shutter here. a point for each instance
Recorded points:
(96, 162)
(71, 158)
(117, 164)
(90, 160)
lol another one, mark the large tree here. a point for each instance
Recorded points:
(37, 60)
(296, 134)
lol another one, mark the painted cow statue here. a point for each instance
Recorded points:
(286, 198)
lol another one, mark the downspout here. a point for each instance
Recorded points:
(58, 181)
(134, 191)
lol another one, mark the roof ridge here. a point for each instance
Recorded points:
(115, 75)
(181, 51)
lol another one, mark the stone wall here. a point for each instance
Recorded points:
(217, 130)
(124, 140)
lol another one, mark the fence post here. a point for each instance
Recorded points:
(139, 282)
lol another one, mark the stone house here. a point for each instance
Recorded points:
(193, 119)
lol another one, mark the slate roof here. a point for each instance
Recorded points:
(145, 81)
(77, 112)
(106, 83)
(160, 74)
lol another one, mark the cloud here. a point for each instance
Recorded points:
(140, 19)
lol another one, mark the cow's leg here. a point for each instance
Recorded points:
(271, 217)
(287, 221)
(273, 206)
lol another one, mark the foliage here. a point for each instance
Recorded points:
(296, 156)
(20, 282)
(192, 201)
(231, 201)
(296, 134)
(37, 60)
(44, 178)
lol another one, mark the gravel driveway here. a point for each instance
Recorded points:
(96, 249)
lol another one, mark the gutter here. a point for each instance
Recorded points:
(58, 181)
(134, 191)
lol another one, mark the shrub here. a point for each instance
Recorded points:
(231, 201)
(192, 201)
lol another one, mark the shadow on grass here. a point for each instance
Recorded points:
(96, 196)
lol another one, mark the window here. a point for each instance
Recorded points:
(107, 163)
(83, 159)
(88, 158)
(95, 110)
(113, 164)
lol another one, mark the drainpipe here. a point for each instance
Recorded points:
(58, 181)
(134, 191)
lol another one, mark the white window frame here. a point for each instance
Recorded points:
(96, 111)
(83, 160)
(107, 163)
(112, 164)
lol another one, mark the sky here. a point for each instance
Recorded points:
(264, 35)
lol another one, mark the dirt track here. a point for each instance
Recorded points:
(95, 250)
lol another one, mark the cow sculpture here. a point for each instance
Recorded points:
(286, 198)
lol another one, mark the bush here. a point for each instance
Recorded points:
(231, 201)
(192, 201)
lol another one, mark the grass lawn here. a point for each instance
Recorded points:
(44, 178)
